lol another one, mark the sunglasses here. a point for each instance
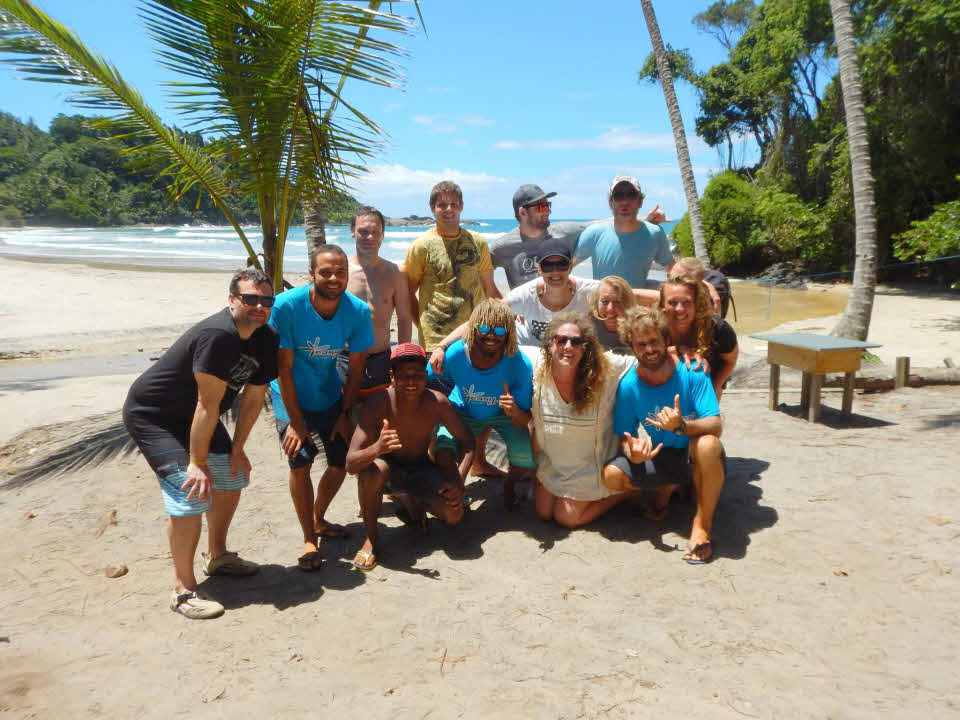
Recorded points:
(542, 206)
(562, 340)
(254, 300)
(626, 195)
(554, 265)
(486, 329)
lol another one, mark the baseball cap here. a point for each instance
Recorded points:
(528, 195)
(625, 179)
(407, 351)
(553, 248)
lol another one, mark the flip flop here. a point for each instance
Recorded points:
(310, 562)
(365, 557)
(691, 559)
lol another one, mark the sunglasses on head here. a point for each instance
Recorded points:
(486, 330)
(254, 300)
(562, 340)
(554, 265)
(542, 206)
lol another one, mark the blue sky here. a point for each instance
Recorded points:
(498, 93)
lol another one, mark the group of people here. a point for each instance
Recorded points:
(602, 389)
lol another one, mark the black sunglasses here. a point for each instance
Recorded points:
(554, 265)
(562, 340)
(625, 195)
(253, 300)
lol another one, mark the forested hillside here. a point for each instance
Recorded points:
(788, 195)
(73, 176)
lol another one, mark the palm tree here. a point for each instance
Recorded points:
(679, 136)
(249, 74)
(855, 322)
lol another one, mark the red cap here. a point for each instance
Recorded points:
(407, 351)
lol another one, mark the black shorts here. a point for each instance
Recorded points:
(671, 466)
(320, 425)
(166, 442)
(420, 479)
(440, 383)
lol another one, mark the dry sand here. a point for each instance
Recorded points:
(834, 593)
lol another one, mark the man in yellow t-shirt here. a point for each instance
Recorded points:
(449, 266)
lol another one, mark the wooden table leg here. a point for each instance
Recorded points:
(805, 391)
(848, 393)
(814, 412)
(774, 386)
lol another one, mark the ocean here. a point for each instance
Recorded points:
(202, 248)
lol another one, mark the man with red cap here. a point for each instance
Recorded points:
(389, 452)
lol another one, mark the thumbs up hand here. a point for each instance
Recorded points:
(389, 440)
(507, 404)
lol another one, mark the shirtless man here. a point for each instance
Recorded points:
(388, 451)
(383, 287)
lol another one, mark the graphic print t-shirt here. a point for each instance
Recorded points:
(448, 271)
(477, 392)
(316, 342)
(168, 389)
(518, 256)
(525, 301)
(636, 400)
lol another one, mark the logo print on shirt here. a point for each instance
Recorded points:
(314, 349)
(472, 395)
(242, 370)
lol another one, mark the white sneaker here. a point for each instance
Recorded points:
(191, 605)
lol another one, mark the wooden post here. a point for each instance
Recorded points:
(774, 386)
(805, 391)
(848, 393)
(902, 376)
(815, 382)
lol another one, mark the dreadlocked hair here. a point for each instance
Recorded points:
(704, 322)
(495, 313)
(593, 366)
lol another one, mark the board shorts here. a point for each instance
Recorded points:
(517, 439)
(166, 450)
(671, 466)
(440, 383)
(420, 479)
(320, 426)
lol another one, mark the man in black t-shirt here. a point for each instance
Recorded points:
(173, 414)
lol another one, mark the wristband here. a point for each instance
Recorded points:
(681, 428)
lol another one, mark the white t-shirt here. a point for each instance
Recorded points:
(525, 301)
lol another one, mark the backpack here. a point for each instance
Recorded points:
(722, 286)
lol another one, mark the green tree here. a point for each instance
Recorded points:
(249, 72)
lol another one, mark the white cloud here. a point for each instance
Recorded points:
(446, 124)
(476, 120)
(617, 139)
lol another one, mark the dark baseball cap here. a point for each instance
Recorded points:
(553, 248)
(407, 351)
(528, 195)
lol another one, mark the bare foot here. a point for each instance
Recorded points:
(483, 468)
(330, 531)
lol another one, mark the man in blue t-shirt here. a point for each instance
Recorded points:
(627, 246)
(493, 387)
(667, 414)
(315, 323)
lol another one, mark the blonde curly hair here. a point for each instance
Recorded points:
(623, 290)
(495, 313)
(593, 367)
(704, 322)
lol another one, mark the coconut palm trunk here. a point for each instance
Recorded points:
(679, 135)
(314, 225)
(855, 322)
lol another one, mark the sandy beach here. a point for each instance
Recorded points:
(833, 594)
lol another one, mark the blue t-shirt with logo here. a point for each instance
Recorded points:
(628, 255)
(636, 400)
(477, 392)
(316, 342)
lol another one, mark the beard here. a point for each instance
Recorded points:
(327, 293)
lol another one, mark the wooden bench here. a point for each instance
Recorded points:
(815, 356)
